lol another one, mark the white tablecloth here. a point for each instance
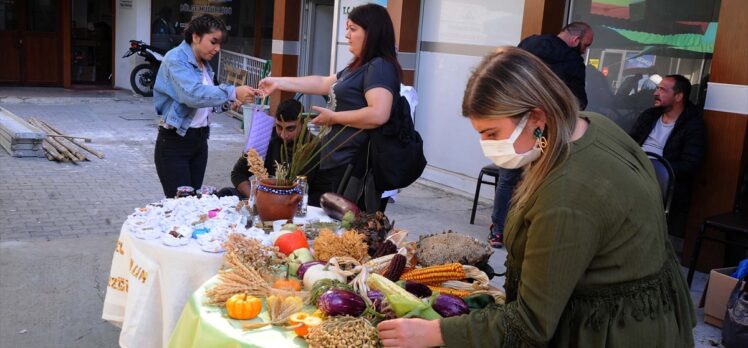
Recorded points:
(149, 284)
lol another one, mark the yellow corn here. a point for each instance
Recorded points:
(448, 291)
(435, 275)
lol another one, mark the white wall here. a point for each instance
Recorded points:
(455, 34)
(131, 24)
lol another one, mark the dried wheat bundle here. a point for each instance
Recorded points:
(279, 309)
(328, 245)
(256, 164)
(237, 279)
(251, 253)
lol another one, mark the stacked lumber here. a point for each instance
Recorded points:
(18, 137)
(63, 148)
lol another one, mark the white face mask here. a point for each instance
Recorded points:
(502, 153)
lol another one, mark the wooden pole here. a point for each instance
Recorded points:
(84, 147)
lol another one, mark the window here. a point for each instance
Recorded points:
(637, 43)
(247, 35)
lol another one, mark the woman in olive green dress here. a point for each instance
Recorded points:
(589, 262)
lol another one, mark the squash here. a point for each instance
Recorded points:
(317, 272)
(303, 322)
(297, 258)
(287, 284)
(242, 307)
(288, 242)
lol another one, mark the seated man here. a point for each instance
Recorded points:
(674, 129)
(287, 130)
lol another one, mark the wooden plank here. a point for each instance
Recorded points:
(18, 127)
(26, 146)
(27, 153)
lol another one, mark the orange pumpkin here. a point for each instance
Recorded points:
(287, 284)
(241, 306)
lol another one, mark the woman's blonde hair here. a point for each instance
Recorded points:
(510, 82)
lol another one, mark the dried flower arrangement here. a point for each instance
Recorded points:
(328, 245)
(256, 164)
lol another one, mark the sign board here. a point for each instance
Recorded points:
(125, 4)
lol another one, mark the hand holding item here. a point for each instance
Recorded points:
(236, 105)
(326, 116)
(245, 94)
(410, 333)
(268, 85)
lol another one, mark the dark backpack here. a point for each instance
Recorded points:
(396, 150)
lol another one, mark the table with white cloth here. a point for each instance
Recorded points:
(150, 283)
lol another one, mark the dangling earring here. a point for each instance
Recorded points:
(540, 140)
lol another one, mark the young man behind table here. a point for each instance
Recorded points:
(287, 129)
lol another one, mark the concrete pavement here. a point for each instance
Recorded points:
(59, 221)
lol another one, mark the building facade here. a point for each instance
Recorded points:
(79, 43)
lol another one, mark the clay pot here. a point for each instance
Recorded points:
(276, 202)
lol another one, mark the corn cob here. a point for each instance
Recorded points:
(435, 275)
(386, 248)
(396, 268)
(448, 291)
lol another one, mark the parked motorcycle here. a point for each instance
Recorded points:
(143, 76)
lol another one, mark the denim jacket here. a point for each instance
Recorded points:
(179, 90)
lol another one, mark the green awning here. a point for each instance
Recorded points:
(702, 43)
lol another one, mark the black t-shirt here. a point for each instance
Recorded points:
(348, 93)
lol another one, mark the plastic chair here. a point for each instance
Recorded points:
(733, 224)
(492, 171)
(666, 178)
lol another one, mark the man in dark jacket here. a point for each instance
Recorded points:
(563, 54)
(287, 130)
(674, 129)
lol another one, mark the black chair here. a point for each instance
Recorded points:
(489, 170)
(666, 178)
(734, 225)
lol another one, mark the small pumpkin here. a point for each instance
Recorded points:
(242, 307)
(287, 284)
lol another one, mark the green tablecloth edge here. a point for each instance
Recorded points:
(201, 325)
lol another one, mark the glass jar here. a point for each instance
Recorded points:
(303, 188)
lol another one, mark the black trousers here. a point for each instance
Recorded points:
(181, 160)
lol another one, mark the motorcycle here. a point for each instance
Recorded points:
(143, 76)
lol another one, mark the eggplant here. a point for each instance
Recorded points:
(416, 288)
(377, 298)
(449, 306)
(305, 266)
(336, 206)
(341, 302)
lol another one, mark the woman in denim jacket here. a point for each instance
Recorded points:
(184, 96)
